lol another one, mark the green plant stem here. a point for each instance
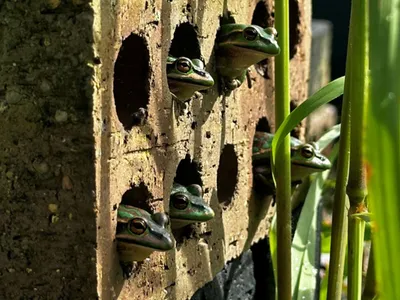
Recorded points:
(340, 206)
(283, 184)
(356, 187)
(383, 138)
(370, 281)
(355, 253)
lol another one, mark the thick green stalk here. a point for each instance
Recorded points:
(340, 206)
(383, 140)
(356, 187)
(282, 167)
(355, 263)
(370, 281)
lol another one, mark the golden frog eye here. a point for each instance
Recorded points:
(307, 151)
(180, 201)
(250, 33)
(183, 66)
(138, 226)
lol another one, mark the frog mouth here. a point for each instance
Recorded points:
(258, 50)
(206, 214)
(193, 79)
(197, 218)
(310, 166)
(165, 244)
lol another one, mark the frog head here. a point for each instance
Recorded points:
(241, 45)
(307, 159)
(187, 76)
(187, 206)
(140, 233)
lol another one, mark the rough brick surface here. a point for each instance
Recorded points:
(72, 74)
(47, 183)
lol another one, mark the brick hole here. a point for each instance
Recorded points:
(294, 31)
(131, 81)
(227, 175)
(138, 196)
(185, 42)
(263, 125)
(263, 17)
(188, 172)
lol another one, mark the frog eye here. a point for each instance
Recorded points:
(183, 65)
(315, 146)
(161, 219)
(250, 33)
(198, 63)
(138, 226)
(195, 189)
(180, 201)
(272, 31)
(307, 151)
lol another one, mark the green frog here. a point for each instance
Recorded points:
(186, 206)
(140, 233)
(186, 77)
(306, 159)
(239, 47)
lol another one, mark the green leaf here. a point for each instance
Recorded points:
(329, 137)
(273, 244)
(383, 140)
(304, 243)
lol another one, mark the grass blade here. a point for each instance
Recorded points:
(329, 137)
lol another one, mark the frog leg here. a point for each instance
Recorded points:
(139, 117)
(180, 105)
(127, 269)
(263, 185)
(230, 84)
(198, 95)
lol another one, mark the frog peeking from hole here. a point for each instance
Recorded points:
(240, 46)
(186, 206)
(306, 159)
(186, 77)
(140, 233)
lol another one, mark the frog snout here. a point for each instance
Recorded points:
(209, 212)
